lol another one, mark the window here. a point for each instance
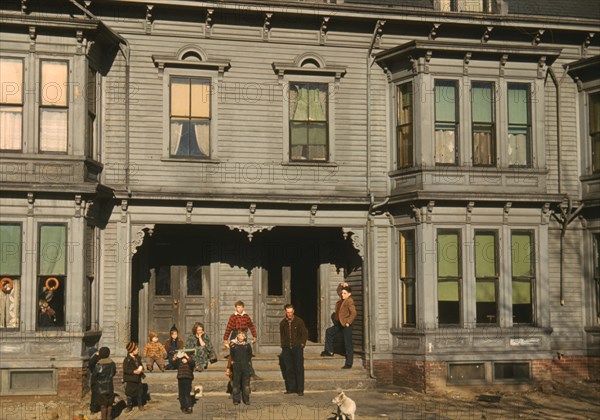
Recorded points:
(483, 126)
(308, 122)
(52, 275)
(486, 277)
(511, 371)
(446, 122)
(596, 251)
(11, 104)
(595, 130)
(190, 117)
(408, 278)
(519, 125)
(469, 6)
(54, 107)
(449, 277)
(523, 277)
(195, 275)
(404, 127)
(91, 87)
(10, 274)
(162, 286)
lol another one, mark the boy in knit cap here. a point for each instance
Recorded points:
(154, 352)
(133, 372)
(172, 344)
(241, 369)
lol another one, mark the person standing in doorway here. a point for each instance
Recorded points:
(293, 334)
(345, 314)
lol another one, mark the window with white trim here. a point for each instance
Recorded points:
(523, 277)
(519, 124)
(446, 122)
(483, 127)
(10, 274)
(11, 104)
(52, 275)
(407, 277)
(594, 105)
(449, 277)
(54, 106)
(486, 277)
(404, 126)
(309, 121)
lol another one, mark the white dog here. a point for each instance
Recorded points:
(346, 407)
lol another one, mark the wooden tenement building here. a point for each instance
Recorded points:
(161, 160)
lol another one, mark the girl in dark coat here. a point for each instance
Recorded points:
(103, 369)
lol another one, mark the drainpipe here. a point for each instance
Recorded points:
(369, 269)
(557, 84)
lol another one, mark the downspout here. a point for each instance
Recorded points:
(125, 50)
(557, 84)
(368, 274)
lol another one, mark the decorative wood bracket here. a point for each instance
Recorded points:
(79, 37)
(313, 213)
(357, 239)
(427, 61)
(251, 210)
(149, 18)
(506, 211)
(417, 212)
(24, 7)
(32, 37)
(189, 207)
(545, 219)
(140, 235)
(79, 206)
(466, 62)
(208, 23)
(469, 213)
(541, 69)
(430, 207)
(537, 37)
(486, 34)
(124, 207)
(433, 32)
(323, 30)
(30, 202)
(251, 229)
(266, 32)
(378, 33)
(586, 43)
(503, 61)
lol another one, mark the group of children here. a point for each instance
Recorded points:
(196, 355)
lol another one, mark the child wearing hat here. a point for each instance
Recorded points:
(185, 375)
(241, 369)
(133, 372)
(172, 344)
(154, 352)
(103, 394)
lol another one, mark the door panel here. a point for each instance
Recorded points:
(275, 294)
(163, 297)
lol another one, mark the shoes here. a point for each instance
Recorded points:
(301, 394)
(256, 377)
(236, 403)
(289, 392)
(346, 367)
(188, 410)
(128, 409)
(325, 353)
(247, 403)
(141, 407)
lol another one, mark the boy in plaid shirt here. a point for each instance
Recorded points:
(240, 321)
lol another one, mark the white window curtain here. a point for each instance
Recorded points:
(53, 130)
(11, 128)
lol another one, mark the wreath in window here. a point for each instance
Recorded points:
(6, 284)
(52, 283)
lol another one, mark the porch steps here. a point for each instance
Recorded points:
(321, 373)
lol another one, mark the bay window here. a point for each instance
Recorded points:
(446, 122)
(449, 273)
(54, 107)
(519, 124)
(11, 104)
(523, 277)
(482, 124)
(404, 126)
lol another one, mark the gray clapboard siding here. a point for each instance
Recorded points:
(234, 285)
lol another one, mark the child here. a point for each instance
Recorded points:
(154, 352)
(46, 316)
(200, 341)
(241, 356)
(103, 394)
(185, 375)
(239, 320)
(172, 344)
(133, 372)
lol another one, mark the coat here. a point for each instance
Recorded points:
(203, 354)
(155, 350)
(129, 365)
(346, 312)
(103, 371)
(184, 370)
(293, 334)
(178, 346)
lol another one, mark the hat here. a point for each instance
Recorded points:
(173, 328)
(92, 351)
(131, 346)
(104, 352)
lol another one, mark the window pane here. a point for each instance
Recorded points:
(194, 280)
(405, 104)
(596, 153)
(10, 300)
(482, 99)
(517, 147)
(52, 250)
(180, 129)
(299, 133)
(486, 302)
(53, 130)
(483, 146)
(51, 303)
(200, 98)
(163, 281)
(405, 146)
(445, 101)
(448, 302)
(298, 102)
(54, 83)
(11, 127)
(486, 291)
(445, 139)
(180, 97)
(11, 81)
(407, 254)
(410, 309)
(200, 138)
(485, 255)
(595, 113)
(521, 248)
(317, 102)
(521, 292)
(518, 104)
(448, 291)
(317, 133)
(10, 250)
(275, 282)
(448, 255)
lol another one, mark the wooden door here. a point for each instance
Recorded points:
(178, 296)
(275, 293)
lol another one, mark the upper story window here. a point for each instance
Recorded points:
(91, 86)
(594, 101)
(309, 122)
(519, 124)
(467, 6)
(483, 127)
(404, 126)
(446, 122)
(54, 108)
(189, 117)
(11, 104)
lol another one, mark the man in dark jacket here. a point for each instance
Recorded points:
(103, 393)
(293, 334)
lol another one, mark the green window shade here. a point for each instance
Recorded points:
(485, 255)
(485, 291)
(407, 254)
(448, 291)
(52, 250)
(521, 255)
(317, 134)
(518, 104)
(448, 255)
(10, 250)
(482, 98)
(521, 292)
(595, 113)
(299, 133)
(445, 101)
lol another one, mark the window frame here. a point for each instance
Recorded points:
(596, 278)
(307, 121)
(17, 287)
(459, 279)
(492, 125)
(91, 105)
(495, 280)
(66, 108)
(400, 125)
(591, 133)
(21, 103)
(406, 281)
(457, 114)
(528, 126)
(531, 279)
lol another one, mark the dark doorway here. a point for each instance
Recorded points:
(305, 295)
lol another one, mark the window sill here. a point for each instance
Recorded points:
(190, 160)
(311, 163)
